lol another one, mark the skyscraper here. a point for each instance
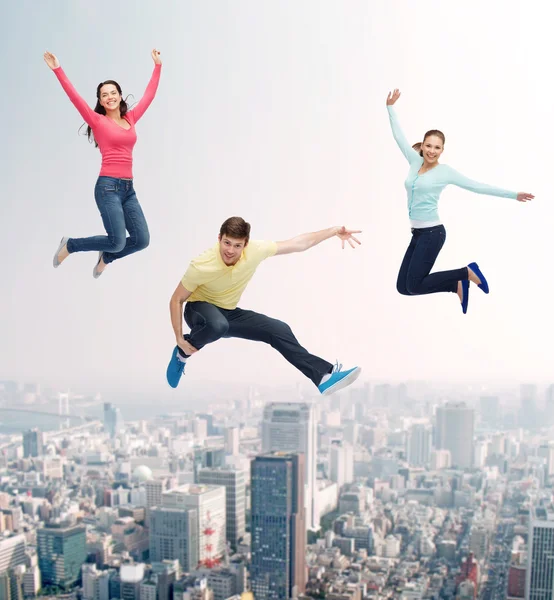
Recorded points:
(113, 423)
(232, 438)
(528, 416)
(12, 552)
(490, 410)
(278, 526)
(33, 443)
(418, 445)
(61, 552)
(209, 502)
(174, 536)
(540, 567)
(291, 427)
(235, 499)
(454, 432)
(341, 462)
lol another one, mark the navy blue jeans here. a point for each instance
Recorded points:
(209, 323)
(120, 210)
(415, 277)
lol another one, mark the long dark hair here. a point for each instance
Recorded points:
(123, 108)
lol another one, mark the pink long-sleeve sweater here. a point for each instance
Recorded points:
(115, 143)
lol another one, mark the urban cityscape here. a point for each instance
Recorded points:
(408, 491)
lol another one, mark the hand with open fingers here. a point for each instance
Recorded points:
(393, 97)
(346, 235)
(51, 60)
(524, 197)
(156, 56)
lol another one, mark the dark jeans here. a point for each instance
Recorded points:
(208, 323)
(415, 277)
(120, 210)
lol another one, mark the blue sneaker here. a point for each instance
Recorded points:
(484, 284)
(175, 369)
(339, 379)
(465, 295)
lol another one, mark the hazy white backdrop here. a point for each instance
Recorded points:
(275, 111)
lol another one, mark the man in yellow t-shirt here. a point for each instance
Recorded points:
(212, 287)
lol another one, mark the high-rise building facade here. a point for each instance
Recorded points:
(33, 443)
(341, 462)
(418, 445)
(12, 552)
(174, 536)
(209, 503)
(234, 482)
(232, 438)
(61, 552)
(454, 432)
(539, 584)
(113, 422)
(278, 526)
(291, 427)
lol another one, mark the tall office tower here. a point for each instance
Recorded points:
(292, 427)
(549, 405)
(418, 445)
(113, 422)
(12, 552)
(489, 407)
(546, 451)
(480, 453)
(174, 536)
(278, 526)
(131, 576)
(540, 566)
(207, 457)
(209, 503)
(528, 415)
(61, 552)
(232, 438)
(341, 462)
(454, 432)
(234, 482)
(33, 443)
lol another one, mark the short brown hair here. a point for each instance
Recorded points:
(236, 228)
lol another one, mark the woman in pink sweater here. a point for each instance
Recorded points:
(111, 125)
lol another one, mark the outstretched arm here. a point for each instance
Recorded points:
(84, 109)
(405, 147)
(466, 183)
(303, 242)
(151, 89)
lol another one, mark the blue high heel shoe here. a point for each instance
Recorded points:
(465, 295)
(483, 285)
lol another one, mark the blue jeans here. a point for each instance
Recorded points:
(120, 210)
(415, 277)
(209, 323)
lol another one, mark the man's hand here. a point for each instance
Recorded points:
(185, 346)
(345, 235)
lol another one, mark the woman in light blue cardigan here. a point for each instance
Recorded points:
(424, 184)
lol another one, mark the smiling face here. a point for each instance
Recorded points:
(109, 97)
(231, 249)
(431, 148)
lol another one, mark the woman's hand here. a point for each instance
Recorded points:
(51, 60)
(156, 57)
(524, 197)
(393, 97)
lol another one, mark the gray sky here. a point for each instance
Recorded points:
(275, 111)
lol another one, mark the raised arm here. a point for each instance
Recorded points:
(466, 183)
(151, 88)
(303, 242)
(84, 109)
(405, 146)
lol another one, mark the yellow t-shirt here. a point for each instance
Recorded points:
(211, 280)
